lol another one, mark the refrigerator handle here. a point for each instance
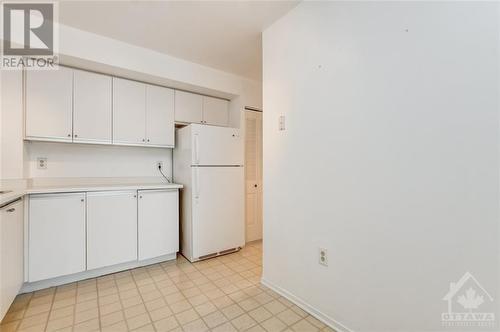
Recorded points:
(196, 149)
(196, 183)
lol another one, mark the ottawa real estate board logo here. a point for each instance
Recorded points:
(469, 304)
(29, 35)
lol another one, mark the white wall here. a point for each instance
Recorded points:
(80, 160)
(11, 120)
(389, 159)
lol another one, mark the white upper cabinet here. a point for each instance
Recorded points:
(129, 112)
(159, 116)
(215, 111)
(188, 107)
(92, 107)
(49, 104)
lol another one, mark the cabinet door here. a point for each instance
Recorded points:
(188, 107)
(111, 228)
(11, 254)
(56, 235)
(129, 112)
(215, 111)
(159, 116)
(92, 107)
(49, 98)
(158, 223)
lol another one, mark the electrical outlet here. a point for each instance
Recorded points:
(159, 165)
(323, 256)
(41, 163)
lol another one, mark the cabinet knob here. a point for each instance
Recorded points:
(140, 196)
(69, 135)
(82, 200)
(255, 185)
(135, 196)
(10, 210)
(76, 135)
(148, 139)
(144, 140)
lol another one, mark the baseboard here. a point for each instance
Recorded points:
(334, 324)
(42, 284)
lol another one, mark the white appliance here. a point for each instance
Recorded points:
(208, 161)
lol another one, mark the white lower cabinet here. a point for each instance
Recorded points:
(111, 228)
(95, 231)
(56, 235)
(158, 223)
(11, 254)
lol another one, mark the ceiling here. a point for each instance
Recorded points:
(221, 34)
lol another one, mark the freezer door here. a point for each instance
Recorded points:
(213, 145)
(218, 209)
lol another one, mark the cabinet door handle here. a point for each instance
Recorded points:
(10, 210)
(140, 196)
(255, 185)
(82, 200)
(148, 140)
(69, 135)
(144, 140)
(135, 196)
(76, 135)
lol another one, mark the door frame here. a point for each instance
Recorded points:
(252, 110)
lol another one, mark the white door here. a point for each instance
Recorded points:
(49, 98)
(92, 107)
(111, 228)
(216, 145)
(158, 223)
(56, 235)
(159, 116)
(11, 254)
(188, 107)
(218, 209)
(253, 175)
(129, 112)
(215, 111)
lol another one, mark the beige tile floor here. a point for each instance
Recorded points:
(220, 294)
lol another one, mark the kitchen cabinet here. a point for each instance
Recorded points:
(158, 223)
(160, 127)
(11, 253)
(129, 112)
(56, 235)
(215, 111)
(194, 108)
(92, 107)
(111, 228)
(48, 104)
(188, 107)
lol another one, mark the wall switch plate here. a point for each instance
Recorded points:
(282, 122)
(41, 163)
(323, 256)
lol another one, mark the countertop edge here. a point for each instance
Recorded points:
(17, 193)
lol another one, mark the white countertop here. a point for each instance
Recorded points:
(33, 186)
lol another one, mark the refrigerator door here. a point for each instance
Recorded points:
(218, 209)
(213, 145)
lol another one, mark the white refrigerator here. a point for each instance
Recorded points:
(208, 161)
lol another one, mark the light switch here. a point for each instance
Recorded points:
(282, 122)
